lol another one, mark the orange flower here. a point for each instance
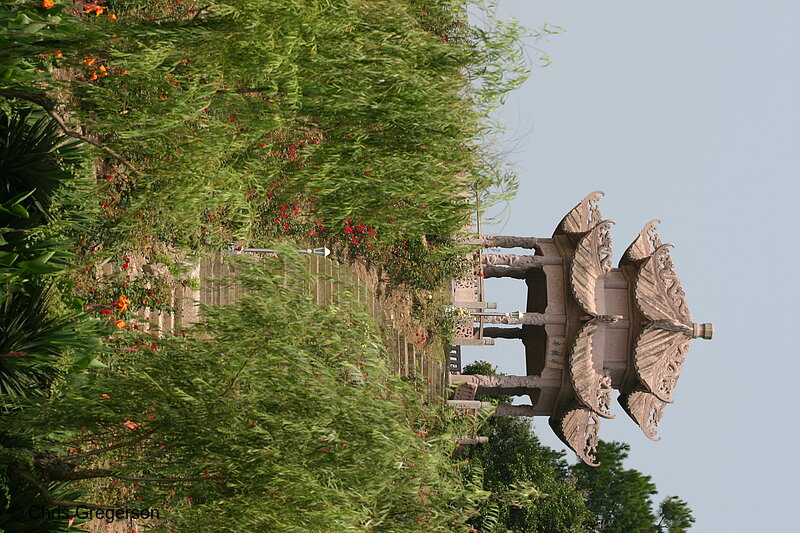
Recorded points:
(96, 9)
(123, 300)
(105, 396)
(94, 76)
(133, 426)
(121, 324)
(47, 4)
(57, 53)
(112, 16)
(89, 61)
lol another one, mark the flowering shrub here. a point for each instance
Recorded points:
(424, 266)
(121, 292)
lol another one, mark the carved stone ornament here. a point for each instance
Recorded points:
(658, 357)
(529, 261)
(645, 409)
(592, 260)
(499, 385)
(658, 290)
(592, 388)
(644, 245)
(470, 281)
(464, 327)
(583, 216)
(578, 429)
(508, 241)
(528, 319)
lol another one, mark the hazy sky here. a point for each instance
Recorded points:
(685, 111)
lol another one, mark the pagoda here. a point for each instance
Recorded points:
(588, 328)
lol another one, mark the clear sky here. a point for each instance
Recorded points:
(686, 111)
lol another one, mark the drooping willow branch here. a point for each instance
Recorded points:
(50, 108)
(138, 439)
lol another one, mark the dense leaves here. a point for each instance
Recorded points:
(282, 406)
(513, 456)
(372, 111)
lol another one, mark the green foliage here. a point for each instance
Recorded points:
(277, 404)
(367, 106)
(33, 340)
(423, 265)
(675, 515)
(34, 161)
(620, 499)
(513, 460)
(37, 333)
(484, 368)
(17, 494)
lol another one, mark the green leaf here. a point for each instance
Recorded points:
(16, 210)
(7, 258)
(39, 267)
(18, 198)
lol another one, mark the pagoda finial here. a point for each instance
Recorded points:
(702, 331)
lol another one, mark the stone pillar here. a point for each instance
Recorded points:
(516, 272)
(513, 410)
(469, 404)
(529, 319)
(528, 261)
(507, 241)
(502, 333)
(516, 266)
(499, 385)
(469, 439)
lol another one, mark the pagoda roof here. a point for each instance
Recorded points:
(659, 343)
(661, 346)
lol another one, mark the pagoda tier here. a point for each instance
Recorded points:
(589, 328)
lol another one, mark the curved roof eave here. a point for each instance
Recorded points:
(658, 290)
(583, 217)
(643, 245)
(645, 409)
(578, 428)
(591, 261)
(658, 357)
(591, 388)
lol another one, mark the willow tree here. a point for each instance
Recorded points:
(387, 105)
(274, 412)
